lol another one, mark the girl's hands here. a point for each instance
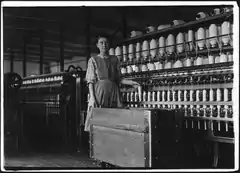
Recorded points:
(93, 101)
(135, 84)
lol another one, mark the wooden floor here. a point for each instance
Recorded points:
(49, 160)
(31, 156)
(58, 158)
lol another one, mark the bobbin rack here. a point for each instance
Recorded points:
(188, 68)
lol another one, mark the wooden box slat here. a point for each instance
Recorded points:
(133, 120)
(136, 138)
(118, 147)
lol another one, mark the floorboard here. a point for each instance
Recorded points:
(49, 160)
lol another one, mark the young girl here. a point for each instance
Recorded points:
(103, 78)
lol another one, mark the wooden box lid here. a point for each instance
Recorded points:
(126, 119)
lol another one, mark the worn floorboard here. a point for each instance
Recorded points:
(50, 160)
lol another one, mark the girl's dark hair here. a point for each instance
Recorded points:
(101, 36)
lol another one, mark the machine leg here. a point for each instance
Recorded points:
(215, 154)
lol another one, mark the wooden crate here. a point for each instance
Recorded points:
(136, 137)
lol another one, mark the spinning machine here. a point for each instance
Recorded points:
(51, 110)
(12, 84)
(188, 68)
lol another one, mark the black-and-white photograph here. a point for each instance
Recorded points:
(107, 86)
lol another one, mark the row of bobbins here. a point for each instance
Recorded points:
(203, 95)
(178, 63)
(190, 41)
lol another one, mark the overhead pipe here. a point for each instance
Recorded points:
(30, 18)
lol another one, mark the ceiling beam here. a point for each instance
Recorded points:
(30, 18)
(74, 26)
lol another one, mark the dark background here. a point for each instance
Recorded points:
(78, 27)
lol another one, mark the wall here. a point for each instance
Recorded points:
(6, 66)
(32, 67)
(76, 61)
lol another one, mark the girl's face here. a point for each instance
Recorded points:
(102, 45)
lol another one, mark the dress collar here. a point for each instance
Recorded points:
(103, 56)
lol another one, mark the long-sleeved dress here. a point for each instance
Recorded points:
(104, 73)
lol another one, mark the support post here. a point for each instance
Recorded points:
(88, 31)
(41, 51)
(11, 60)
(61, 49)
(124, 22)
(24, 57)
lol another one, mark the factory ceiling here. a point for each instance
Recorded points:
(78, 27)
